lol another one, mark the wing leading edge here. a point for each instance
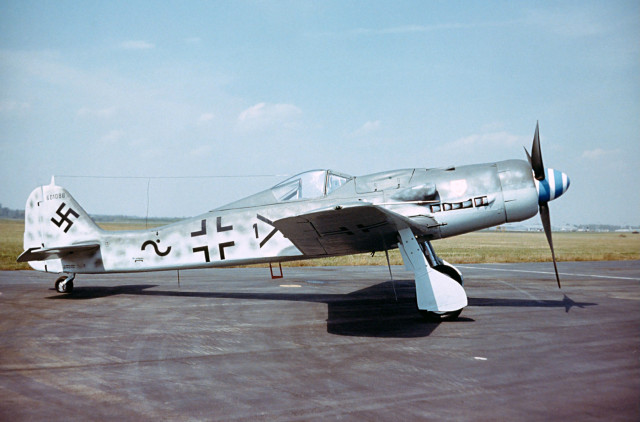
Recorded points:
(349, 229)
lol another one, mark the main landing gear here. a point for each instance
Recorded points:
(450, 271)
(439, 292)
(64, 284)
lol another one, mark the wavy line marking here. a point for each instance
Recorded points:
(155, 247)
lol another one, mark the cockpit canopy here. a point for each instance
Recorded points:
(308, 185)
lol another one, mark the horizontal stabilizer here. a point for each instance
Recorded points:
(43, 254)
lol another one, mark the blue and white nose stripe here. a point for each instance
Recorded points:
(555, 184)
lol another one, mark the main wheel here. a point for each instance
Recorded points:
(64, 286)
(451, 272)
(440, 316)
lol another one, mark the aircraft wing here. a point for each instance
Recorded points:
(351, 228)
(42, 254)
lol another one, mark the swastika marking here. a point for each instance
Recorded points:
(64, 218)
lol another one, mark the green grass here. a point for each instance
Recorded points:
(470, 248)
(11, 233)
(507, 247)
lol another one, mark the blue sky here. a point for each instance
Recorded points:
(175, 89)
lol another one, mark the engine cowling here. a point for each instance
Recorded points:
(518, 190)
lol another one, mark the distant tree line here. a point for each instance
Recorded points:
(603, 227)
(9, 213)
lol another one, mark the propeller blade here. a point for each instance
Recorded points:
(536, 156)
(546, 224)
(528, 156)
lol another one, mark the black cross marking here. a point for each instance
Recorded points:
(220, 227)
(346, 230)
(205, 250)
(64, 218)
(202, 231)
(221, 247)
(365, 229)
(270, 235)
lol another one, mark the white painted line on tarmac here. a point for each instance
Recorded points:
(548, 272)
(520, 290)
(290, 285)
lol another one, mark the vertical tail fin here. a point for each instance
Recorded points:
(53, 219)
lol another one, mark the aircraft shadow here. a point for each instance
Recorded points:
(567, 303)
(375, 311)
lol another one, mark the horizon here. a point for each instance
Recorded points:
(528, 224)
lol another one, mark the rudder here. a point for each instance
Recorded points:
(54, 219)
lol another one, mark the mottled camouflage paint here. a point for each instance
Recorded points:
(243, 232)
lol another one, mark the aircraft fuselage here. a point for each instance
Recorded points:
(442, 202)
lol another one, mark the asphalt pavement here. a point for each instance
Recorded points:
(323, 343)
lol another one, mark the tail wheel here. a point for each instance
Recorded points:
(64, 286)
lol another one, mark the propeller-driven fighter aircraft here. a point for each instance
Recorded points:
(318, 213)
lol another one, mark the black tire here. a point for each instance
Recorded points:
(440, 317)
(447, 270)
(68, 287)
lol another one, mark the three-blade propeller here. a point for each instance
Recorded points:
(550, 184)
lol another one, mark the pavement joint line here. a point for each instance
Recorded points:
(548, 272)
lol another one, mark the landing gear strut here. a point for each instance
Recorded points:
(439, 292)
(64, 284)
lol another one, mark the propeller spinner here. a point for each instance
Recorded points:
(550, 184)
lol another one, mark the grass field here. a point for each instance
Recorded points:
(466, 249)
